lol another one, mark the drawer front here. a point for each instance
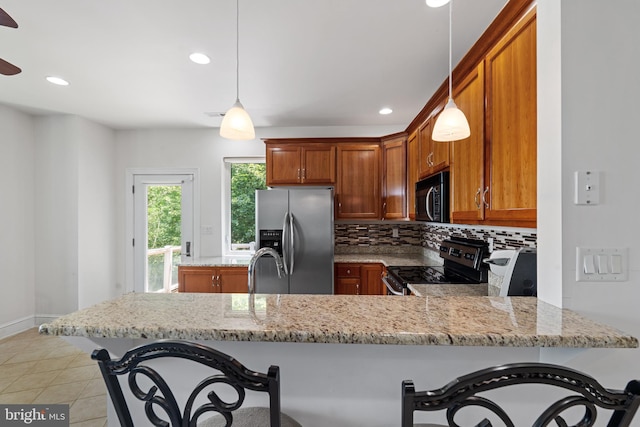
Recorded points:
(348, 270)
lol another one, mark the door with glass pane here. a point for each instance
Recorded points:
(163, 229)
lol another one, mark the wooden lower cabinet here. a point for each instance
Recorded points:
(212, 279)
(358, 279)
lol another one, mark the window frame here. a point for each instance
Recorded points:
(226, 205)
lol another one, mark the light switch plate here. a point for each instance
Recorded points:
(602, 264)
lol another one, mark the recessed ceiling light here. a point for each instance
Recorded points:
(386, 110)
(57, 81)
(199, 58)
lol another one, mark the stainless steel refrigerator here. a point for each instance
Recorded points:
(298, 224)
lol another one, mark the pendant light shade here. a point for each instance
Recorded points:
(451, 124)
(236, 123)
(436, 3)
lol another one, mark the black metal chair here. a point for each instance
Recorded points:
(463, 392)
(160, 404)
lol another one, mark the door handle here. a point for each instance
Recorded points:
(428, 203)
(188, 244)
(291, 247)
(484, 197)
(476, 198)
(285, 249)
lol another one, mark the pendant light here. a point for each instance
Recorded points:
(451, 124)
(436, 3)
(236, 123)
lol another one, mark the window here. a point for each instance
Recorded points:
(243, 176)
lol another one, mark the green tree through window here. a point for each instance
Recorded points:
(246, 178)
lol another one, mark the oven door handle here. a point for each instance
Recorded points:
(390, 288)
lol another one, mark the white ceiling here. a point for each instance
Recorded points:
(302, 62)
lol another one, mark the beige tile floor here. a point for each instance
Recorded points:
(42, 369)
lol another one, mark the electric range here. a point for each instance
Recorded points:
(462, 264)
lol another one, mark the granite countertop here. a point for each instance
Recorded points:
(388, 259)
(217, 261)
(382, 258)
(450, 290)
(351, 319)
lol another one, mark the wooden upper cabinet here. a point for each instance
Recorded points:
(434, 155)
(291, 164)
(394, 191)
(511, 122)
(358, 181)
(413, 156)
(467, 155)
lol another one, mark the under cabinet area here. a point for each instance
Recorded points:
(358, 279)
(213, 279)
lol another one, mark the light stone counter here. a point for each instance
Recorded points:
(450, 290)
(387, 259)
(343, 319)
(219, 261)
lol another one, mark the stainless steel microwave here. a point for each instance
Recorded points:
(432, 198)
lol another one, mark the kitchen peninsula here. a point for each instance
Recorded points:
(342, 358)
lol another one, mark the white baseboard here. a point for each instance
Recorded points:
(45, 318)
(20, 325)
(16, 326)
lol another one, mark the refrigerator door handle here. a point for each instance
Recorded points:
(291, 247)
(285, 252)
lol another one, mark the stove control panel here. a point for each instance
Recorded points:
(463, 253)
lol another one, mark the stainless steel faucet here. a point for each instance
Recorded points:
(252, 265)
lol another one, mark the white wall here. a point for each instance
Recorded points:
(598, 65)
(74, 219)
(96, 214)
(17, 282)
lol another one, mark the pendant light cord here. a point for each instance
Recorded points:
(450, 37)
(237, 50)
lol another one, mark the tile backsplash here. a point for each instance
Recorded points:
(415, 236)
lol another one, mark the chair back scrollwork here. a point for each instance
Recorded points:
(586, 393)
(160, 404)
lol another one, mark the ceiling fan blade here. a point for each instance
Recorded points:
(6, 20)
(8, 69)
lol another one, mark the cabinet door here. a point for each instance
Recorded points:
(371, 275)
(233, 279)
(319, 164)
(347, 286)
(412, 172)
(283, 164)
(467, 155)
(358, 182)
(196, 279)
(510, 180)
(394, 201)
(434, 155)
(424, 148)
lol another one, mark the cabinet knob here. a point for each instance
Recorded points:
(348, 271)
